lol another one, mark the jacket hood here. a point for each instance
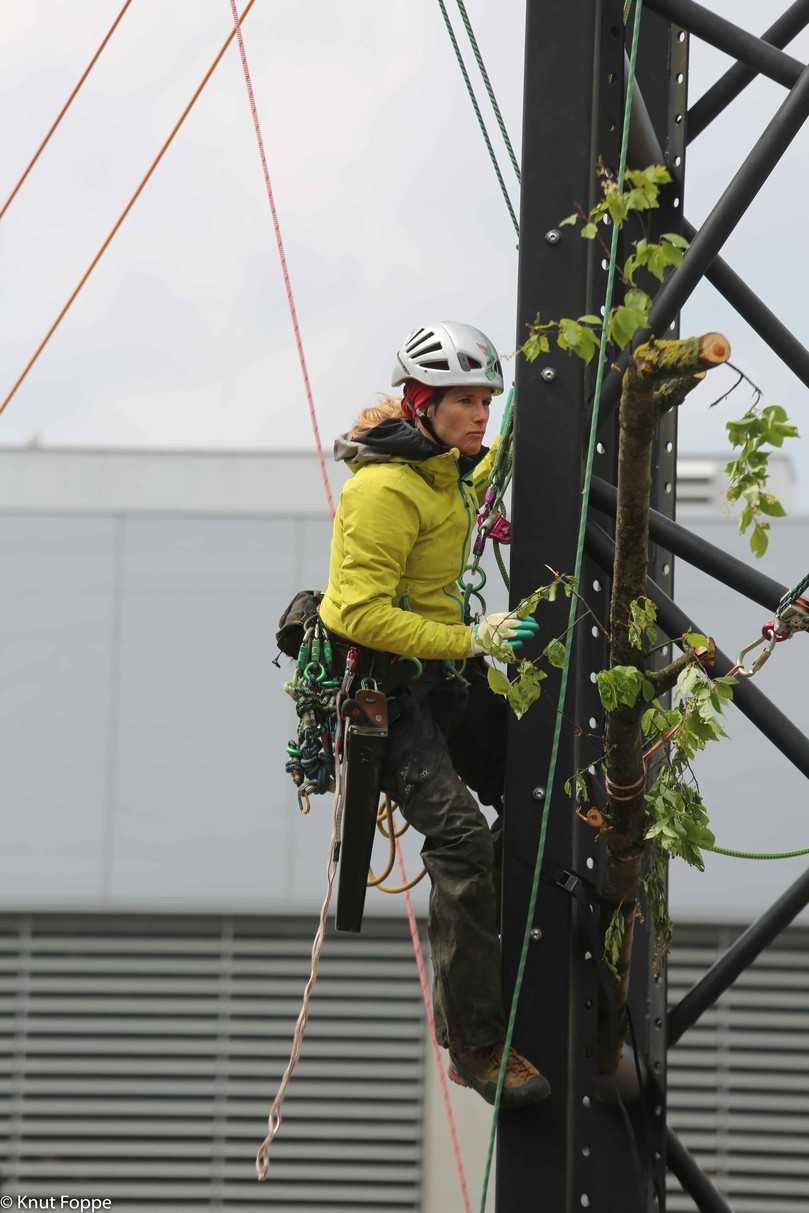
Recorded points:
(399, 440)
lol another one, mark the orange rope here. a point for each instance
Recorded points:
(126, 210)
(64, 108)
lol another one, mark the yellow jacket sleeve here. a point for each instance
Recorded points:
(380, 526)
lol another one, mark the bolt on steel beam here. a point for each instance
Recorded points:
(698, 552)
(728, 87)
(716, 229)
(693, 1179)
(725, 36)
(759, 710)
(721, 975)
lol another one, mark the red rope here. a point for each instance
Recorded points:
(64, 108)
(282, 257)
(428, 1009)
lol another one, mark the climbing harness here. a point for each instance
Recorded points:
(492, 522)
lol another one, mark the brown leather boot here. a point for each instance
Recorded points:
(478, 1068)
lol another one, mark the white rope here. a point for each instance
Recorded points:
(274, 1118)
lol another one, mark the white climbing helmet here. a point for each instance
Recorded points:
(449, 355)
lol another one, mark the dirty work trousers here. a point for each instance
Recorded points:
(443, 736)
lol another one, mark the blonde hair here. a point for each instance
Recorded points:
(388, 406)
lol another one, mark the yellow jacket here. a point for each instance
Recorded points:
(401, 540)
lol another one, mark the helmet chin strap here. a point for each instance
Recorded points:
(426, 423)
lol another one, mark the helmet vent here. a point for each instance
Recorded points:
(439, 364)
(418, 337)
(435, 348)
(473, 362)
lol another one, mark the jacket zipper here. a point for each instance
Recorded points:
(463, 545)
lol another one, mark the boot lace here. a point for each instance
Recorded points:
(520, 1066)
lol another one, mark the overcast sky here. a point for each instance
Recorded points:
(390, 212)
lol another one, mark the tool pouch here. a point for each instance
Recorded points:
(364, 741)
(292, 624)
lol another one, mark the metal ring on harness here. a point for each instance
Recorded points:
(473, 589)
(468, 596)
(416, 662)
(314, 665)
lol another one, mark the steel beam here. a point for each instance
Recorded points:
(646, 149)
(765, 58)
(728, 87)
(698, 552)
(758, 709)
(721, 975)
(761, 320)
(693, 1179)
(570, 1152)
(720, 223)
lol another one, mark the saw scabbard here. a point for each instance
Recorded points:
(365, 738)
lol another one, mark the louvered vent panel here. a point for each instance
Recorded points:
(138, 1057)
(739, 1079)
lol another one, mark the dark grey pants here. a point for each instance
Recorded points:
(441, 731)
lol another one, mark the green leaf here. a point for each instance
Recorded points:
(624, 322)
(590, 320)
(759, 540)
(696, 640)
(569, 220)
(498, 681)
(544, 593)
(535, 346)
(526, 688)
(577, 339)
(676, 239)
(589, 231)
(768, 504)
(555, 653)
(619, 686)
(642, 616)
(616, 205)
(578, 784)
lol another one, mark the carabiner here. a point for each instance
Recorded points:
(770, 640)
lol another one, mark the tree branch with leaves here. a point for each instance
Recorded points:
(652, 807)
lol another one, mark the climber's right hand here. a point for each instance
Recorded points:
(502, 631)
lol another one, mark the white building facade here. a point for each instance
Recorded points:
(159, 890)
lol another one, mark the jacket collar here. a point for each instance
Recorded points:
(396, 441)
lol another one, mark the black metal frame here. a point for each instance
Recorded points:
(580, 1151)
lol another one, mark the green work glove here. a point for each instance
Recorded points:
(502, 631)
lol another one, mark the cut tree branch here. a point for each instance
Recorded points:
(659, 376)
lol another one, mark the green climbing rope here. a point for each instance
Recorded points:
(488, 84)
(588, 474)
(478, 115)
(757, 854)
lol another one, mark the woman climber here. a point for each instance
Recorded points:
(400, 543)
